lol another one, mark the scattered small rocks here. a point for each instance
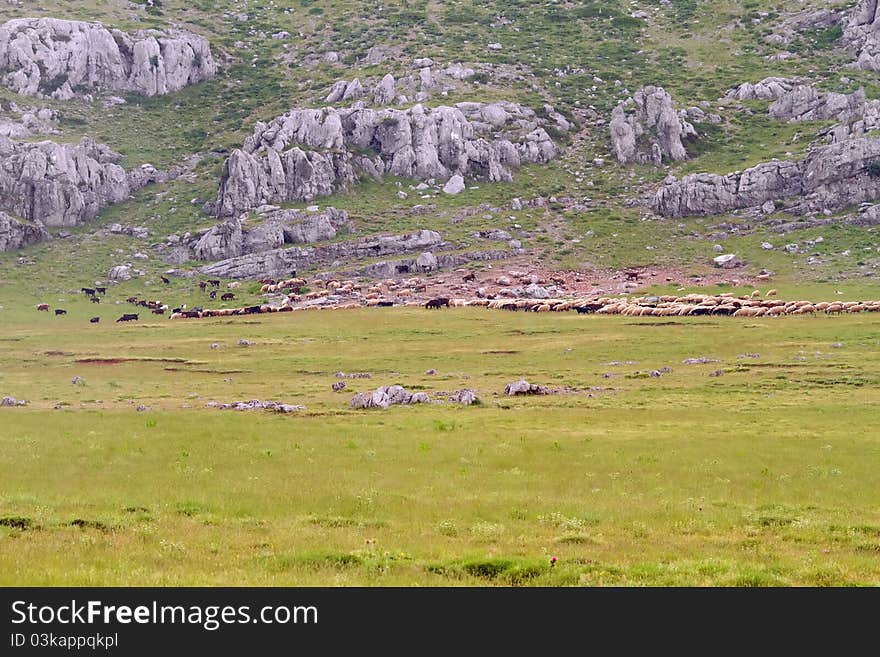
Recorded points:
(338, 386)
(837, 345)
(78, 381)
(385, 396)
(717, 373)
(215, 345)
(749, 356)
(257, 404)
(244, 343)
(702, 360)
(12, 401)
(141, 408)
(431, 372)
(353, 375)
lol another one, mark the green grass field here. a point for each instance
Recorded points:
(763, 476)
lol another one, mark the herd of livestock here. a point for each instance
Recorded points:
(336, 295)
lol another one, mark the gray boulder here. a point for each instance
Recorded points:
(64, 58)
(806, 103)
(727, 261)
(647, 129)
(523, 387)
(222, 241)
(15, 234)
(120, 273)
(454, 185)
(384, 92)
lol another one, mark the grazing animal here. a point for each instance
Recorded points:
(470, 276)
(437, 303)
(43, 306)
(158, 311)
(94, 300)
(214, 283)
(771, 293)
(202, 285)
(95, 320)
(165, 280)
(385, 304)
(132, 299)
(101, 290)
(227, 297)
(59, 311)
(252, 310)
(213, 294)
(88, 290)
(128, 317)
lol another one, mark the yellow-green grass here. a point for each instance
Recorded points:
(766, 475)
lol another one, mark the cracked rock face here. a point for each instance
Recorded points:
(806, 103)
(308, 153)
(59, 184)
(15, 234)
(287, 261)
(647, 129)
(66, 184)
(830, 177)
(862, 33)
(62, 59)
(229, 240)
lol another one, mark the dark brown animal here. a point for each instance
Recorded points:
(165, 280)
(43, 306)
(128, 317)
(437, 303)
(94, 300)
(227, 297)
(470, 276)
(88, 290)
(101, 290)
(59, 311)
(214, 283)
(95, 320)
(213, 294)
(202, 285)
(387, 304)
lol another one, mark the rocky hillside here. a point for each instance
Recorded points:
(247, 139)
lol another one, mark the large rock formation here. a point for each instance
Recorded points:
(229, 239)
(767, 89)
(830, 177)
(59, 184)
(285, 262)
(646, 128)
(66, 184)
(862, 33)
(15, 234)
(806, 103)
(62, 58)
(308, 153)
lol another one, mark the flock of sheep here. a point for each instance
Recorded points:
(659, 306)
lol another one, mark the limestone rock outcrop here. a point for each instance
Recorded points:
(308, 153)
(66, 184)
(15, 234)
(829, 177)
(229, 239)
(767, 89)
(287, 261)
(646, 128)
(63, 59)
(862, 34)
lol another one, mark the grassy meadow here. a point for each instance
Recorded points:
(765, 475)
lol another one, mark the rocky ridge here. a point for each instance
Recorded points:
(63, 59)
